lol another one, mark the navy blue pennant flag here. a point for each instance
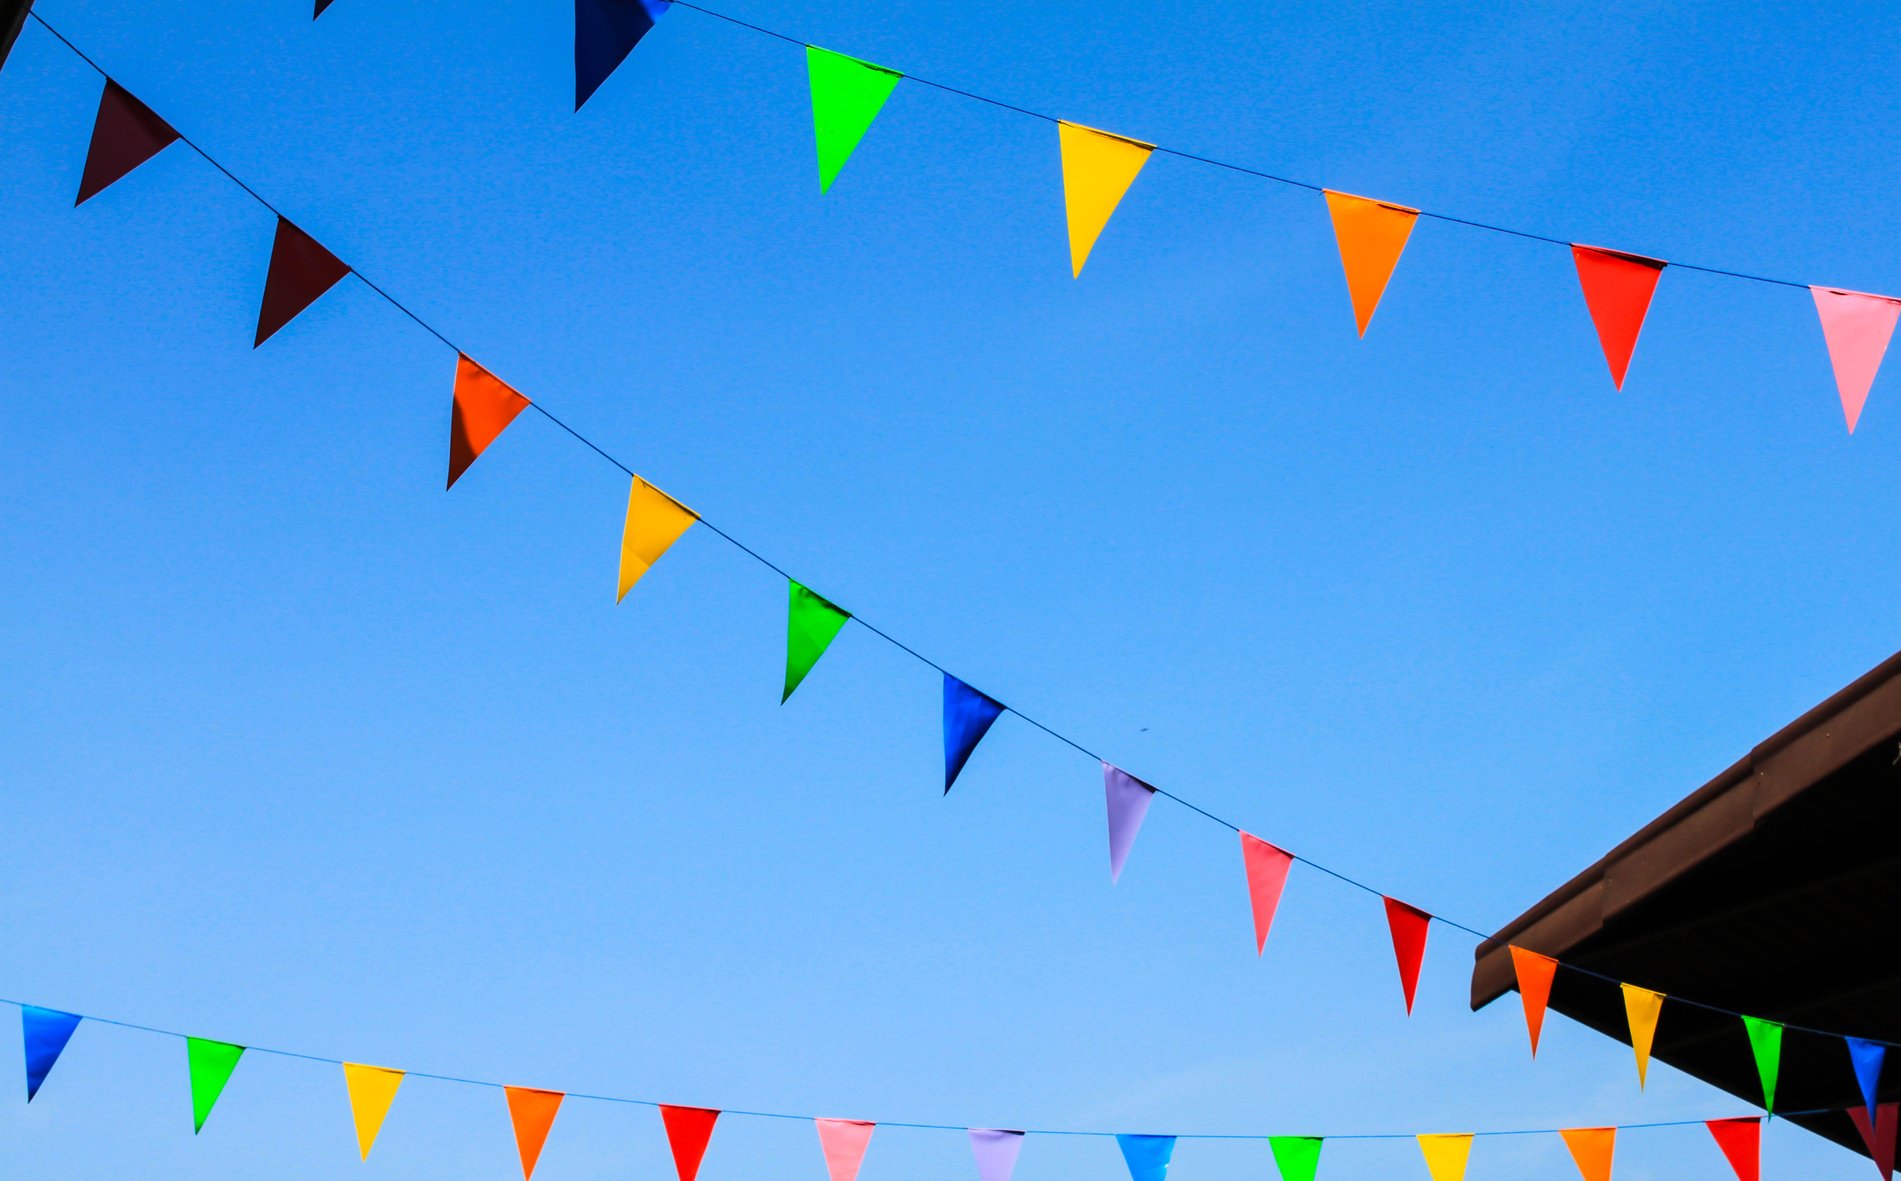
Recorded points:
(605, 32)
(47, 1032)
(967, 718)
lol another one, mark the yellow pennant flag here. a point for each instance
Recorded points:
(654, 522)
(372, 1090)
(1098, 169)
(1372, 235)
(1446, 1154)
(1642, 1007)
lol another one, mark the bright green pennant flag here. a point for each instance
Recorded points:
(211, 1067)
(846, 96)
(1765, 1038)
(1298, 1156)
(810, 626)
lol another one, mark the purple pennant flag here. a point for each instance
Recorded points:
(996, 1152)
(1129, 800)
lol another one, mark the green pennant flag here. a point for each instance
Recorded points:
(1765, 1039)
(846, 96)
(211, 1067)
(810, 625)
(1297, 1156)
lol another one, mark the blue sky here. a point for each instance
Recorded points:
(303, 752)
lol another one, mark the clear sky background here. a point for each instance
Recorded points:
(302, 752)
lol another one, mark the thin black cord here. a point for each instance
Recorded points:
(873, 629)
(921, 1126)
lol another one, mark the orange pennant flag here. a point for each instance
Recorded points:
(1617, 290)
(1372, 234)
(1446, 1154)
(484, 406)
(1535, 973)
(1592, 1149)
(1098, 169)
(532, 1113)
(1642, 1007)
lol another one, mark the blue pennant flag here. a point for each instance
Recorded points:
(1867, 1057)
(605, 32)
(1147, 1156)
(47, 1032)
(967, 718)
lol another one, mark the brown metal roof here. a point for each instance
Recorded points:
(1770, 890)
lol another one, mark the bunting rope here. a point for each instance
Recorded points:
(968, 712)
(29, 1010)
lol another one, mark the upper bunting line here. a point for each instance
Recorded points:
(439, 335)
(459, 1080)
(1229, 166)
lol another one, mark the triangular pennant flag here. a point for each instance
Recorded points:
(1879, 1137)
(847, 95)
(1592, 1149)
(1642, 1007)
(967, 718)
(46, 1032)
(1617, 290)
(484, 406)
(1372, 235)
(1446, 1154)
(996, 1151)
(605, 32)
(372, 1089)
(211, 1064)
(301, 270)
(1867, 1057)
(1741, 1142)
(1267, 875)
(811, 624)
(844, 1142)
(654, 522)
(1408, 925)
(1297, 1156)
(1857, 328)
(1765, 1042)
(1147, 1156)
(689, 1129)
(532, 1112)
(124, 135)
(1129, 799)
(1098, 169)
(1535, 973)
(321, 5)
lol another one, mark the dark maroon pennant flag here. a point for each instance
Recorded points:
(301, 270)
(125, 135)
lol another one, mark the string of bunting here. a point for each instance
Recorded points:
(127, 133)
(1099, 167)
(372, 1092)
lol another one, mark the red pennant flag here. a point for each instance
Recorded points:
(1741, 1142)
(1857, 328)
(1267, 873)
(688, 1130)
(1535, 973)
(484, 406)
(1878, 1138)
(1617, 289)
(532, 1112)
(301, 270)
(125, 135)
(1408, 924)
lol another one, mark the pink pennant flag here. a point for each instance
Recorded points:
(1408, 925)
(844, 1142)
(1857, 327)
(1129, 799)
(1267, 873)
